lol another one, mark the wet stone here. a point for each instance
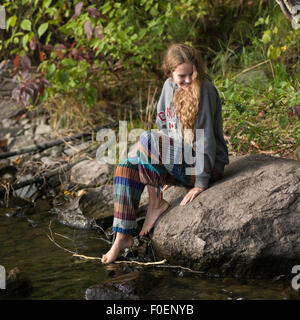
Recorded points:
(132, 286)
(18, 285)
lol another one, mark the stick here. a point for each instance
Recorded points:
(180, 267)
(143, 263)
(47, 145)
(52, 240)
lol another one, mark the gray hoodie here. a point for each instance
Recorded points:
(209, 118)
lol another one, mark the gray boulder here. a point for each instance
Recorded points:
(247, 224)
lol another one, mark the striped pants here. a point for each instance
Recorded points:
(148, 168)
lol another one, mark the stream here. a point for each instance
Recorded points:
(56, 274)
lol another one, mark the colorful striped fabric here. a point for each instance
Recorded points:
(154, 165)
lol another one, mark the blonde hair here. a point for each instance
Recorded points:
(187, 100)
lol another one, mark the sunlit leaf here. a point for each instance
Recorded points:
(42, 29)
(26, 25)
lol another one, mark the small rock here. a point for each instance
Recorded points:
(91, 173)
(132, 286)
(18, 285)
(26, 192)
(49, 161)
(56, 152)
(43, 129)
(77, 148)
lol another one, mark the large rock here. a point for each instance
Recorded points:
(248, 224)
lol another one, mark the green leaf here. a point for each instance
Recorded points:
(46, 4)
(26, 25)
(259, 21)
(50, 69)
(25, 41)
(42, 29)
(66, 62)
(63, 77)
(273, 52)
(11, 21)
(267, 36)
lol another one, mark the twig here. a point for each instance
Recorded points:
(143, 263)
(61, 235)
(86, 257)
(184, 268)
(77, 151)
(52, 239)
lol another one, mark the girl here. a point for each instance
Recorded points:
(188, 101)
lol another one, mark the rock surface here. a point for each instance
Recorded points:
(95, 205)
(18, 286)
(132, 286)
(247, 224)
(91, 173)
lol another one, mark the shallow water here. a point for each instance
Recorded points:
(55, 274)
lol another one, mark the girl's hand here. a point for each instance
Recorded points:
(191, 195)
(165, 187)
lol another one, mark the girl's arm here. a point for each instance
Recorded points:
(210, 119)
(206, 120)
(161, 111)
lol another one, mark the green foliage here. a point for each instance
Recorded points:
(260, 115)
(80, 46)
(89, 40)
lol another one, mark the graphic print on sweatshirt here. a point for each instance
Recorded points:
(171, 115)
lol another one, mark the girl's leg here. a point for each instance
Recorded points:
(127, 192)
(130, 180)
(121, 242)
(157, 205)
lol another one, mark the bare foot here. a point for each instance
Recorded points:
(122, 241)
(152, 215)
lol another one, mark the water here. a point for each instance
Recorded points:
(55, 274)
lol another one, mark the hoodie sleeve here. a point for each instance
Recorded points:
(209, 118)
(161, 111)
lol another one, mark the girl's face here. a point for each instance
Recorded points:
(183, 74)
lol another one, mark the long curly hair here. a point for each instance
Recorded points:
(186, 101)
